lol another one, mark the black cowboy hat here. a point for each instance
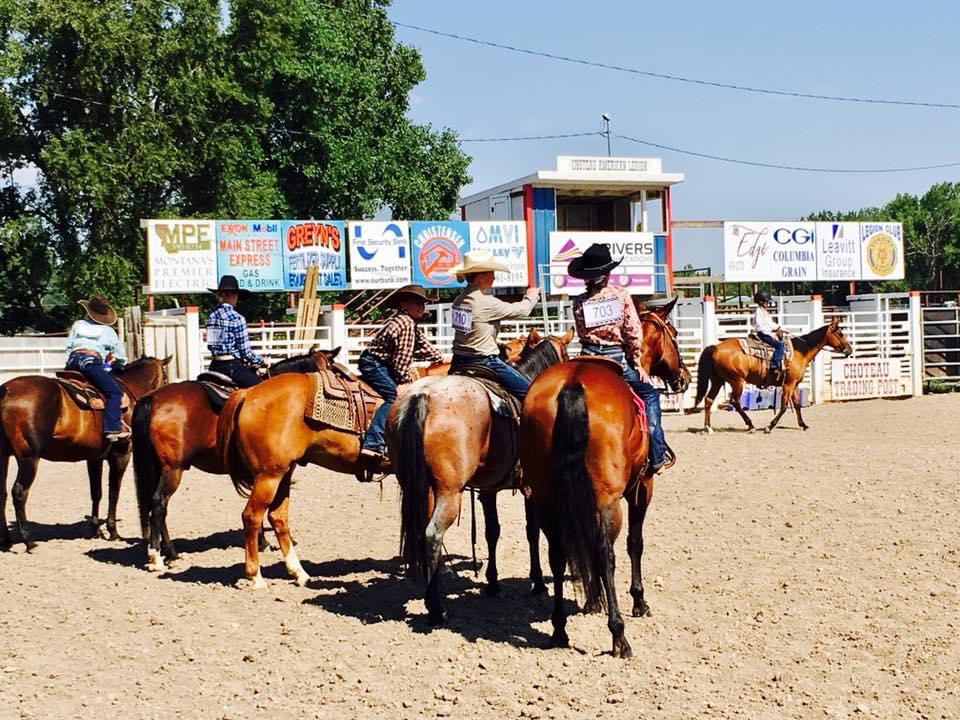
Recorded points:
(596, 261)
(99, 310)
(229, 283)
(411, 292)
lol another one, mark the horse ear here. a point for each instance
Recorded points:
(166, 360)
(333, 353)
(533, 338)
(664, 310)
(834, 322)
(567, 337)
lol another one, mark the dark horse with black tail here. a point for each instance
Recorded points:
(443, 437)
(174, 429)
(38, 419)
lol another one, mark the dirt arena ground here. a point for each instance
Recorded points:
(797, 575)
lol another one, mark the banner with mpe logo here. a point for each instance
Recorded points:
(315, 242)
(181, 256)
(379, 254)
(250, 250)
(438, 246)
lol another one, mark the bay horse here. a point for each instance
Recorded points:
(174, 429)
(583, 447)
(726, 362)
(443, 437)
(509, 352)
(38, 420)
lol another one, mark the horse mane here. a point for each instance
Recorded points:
(139, 362)
(814, 337)
(297, 364)
(535, 360)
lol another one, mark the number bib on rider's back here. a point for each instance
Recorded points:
(461, 318)
(213, 335)
(603, 312)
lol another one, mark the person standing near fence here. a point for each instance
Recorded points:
(386, 361)
(93, 348)
(228, 338)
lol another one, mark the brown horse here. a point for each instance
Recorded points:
(444, 437)
(509, 352)
(39, 420)
(582, 448)
(174, 429)
(725, 362)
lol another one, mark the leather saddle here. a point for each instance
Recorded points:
(85, 395)
(218, 387)
(480, 372)
(340, 399)
(757, 348)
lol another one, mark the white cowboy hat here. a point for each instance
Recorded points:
(477, 261)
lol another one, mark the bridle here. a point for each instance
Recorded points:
(678, 383)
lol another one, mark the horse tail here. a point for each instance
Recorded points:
(411, 468)
(146, 465)
(229, 453)
(704, 372)
(574, 508)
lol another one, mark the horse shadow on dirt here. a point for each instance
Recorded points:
(507, 618)
(41, 532)
(134, 554)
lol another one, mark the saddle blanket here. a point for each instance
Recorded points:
(757, 348)
(340, 399)
(85, 395)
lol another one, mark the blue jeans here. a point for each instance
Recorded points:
(93, 370)
(242, 375)
(778, 348)
(645, 391)
(378, 376)
(512, 379)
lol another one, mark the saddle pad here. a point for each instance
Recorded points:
(477, 372)
(85, 395)
(641, 407)
(217, 379)
(217, 394)
(757, 348)
(340, 402)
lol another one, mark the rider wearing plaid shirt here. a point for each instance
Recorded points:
(228, 339)
(386, 361)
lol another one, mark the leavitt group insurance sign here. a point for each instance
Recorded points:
(858, 379)
(826, 251)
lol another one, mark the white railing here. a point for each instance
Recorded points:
(275, 341)
(941, 343)
(33, 358)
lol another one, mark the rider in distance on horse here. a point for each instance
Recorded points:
(91, 342)
(228, 338)
(476, 315)
(387, 359)
(608, 325)
(771, 333)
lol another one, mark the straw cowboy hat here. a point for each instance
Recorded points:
(229, 283)
(409, 292)
(99, 310)
(477, 261)
(596, 261)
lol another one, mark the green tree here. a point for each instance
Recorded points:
(160, 108)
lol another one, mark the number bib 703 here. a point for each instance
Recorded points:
(461, 318)
(603, 312)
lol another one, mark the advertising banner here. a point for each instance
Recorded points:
(860, 378)
(379, 254)
(181, 256)
(882, 248)
(314, 242)
(507, 240)
(636, 272)
(838, 251)
(769, 252)
(437, 247)
(251, 251)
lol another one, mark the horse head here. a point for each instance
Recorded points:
(836, 339)
(661, 351)
(144, 374)
(511, 350)
(540, 352)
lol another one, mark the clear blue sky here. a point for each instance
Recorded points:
(881, 49)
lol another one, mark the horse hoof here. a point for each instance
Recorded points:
(114, 536)
(539, 588)
(708, 430)
(767, 430)
(591, 608)
(559, 639)
(302, 580)
(804, 427)
(254, 583)
(622, 649)
(641, 610)
(751, 430)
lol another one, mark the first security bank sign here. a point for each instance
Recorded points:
(188, 256)
(805, 251)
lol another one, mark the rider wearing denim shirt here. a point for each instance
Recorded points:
(476, 314)
(608, 325)
(90, 343)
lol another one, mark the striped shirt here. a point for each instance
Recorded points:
(624, 331)
(227, 335)
(398, 343)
